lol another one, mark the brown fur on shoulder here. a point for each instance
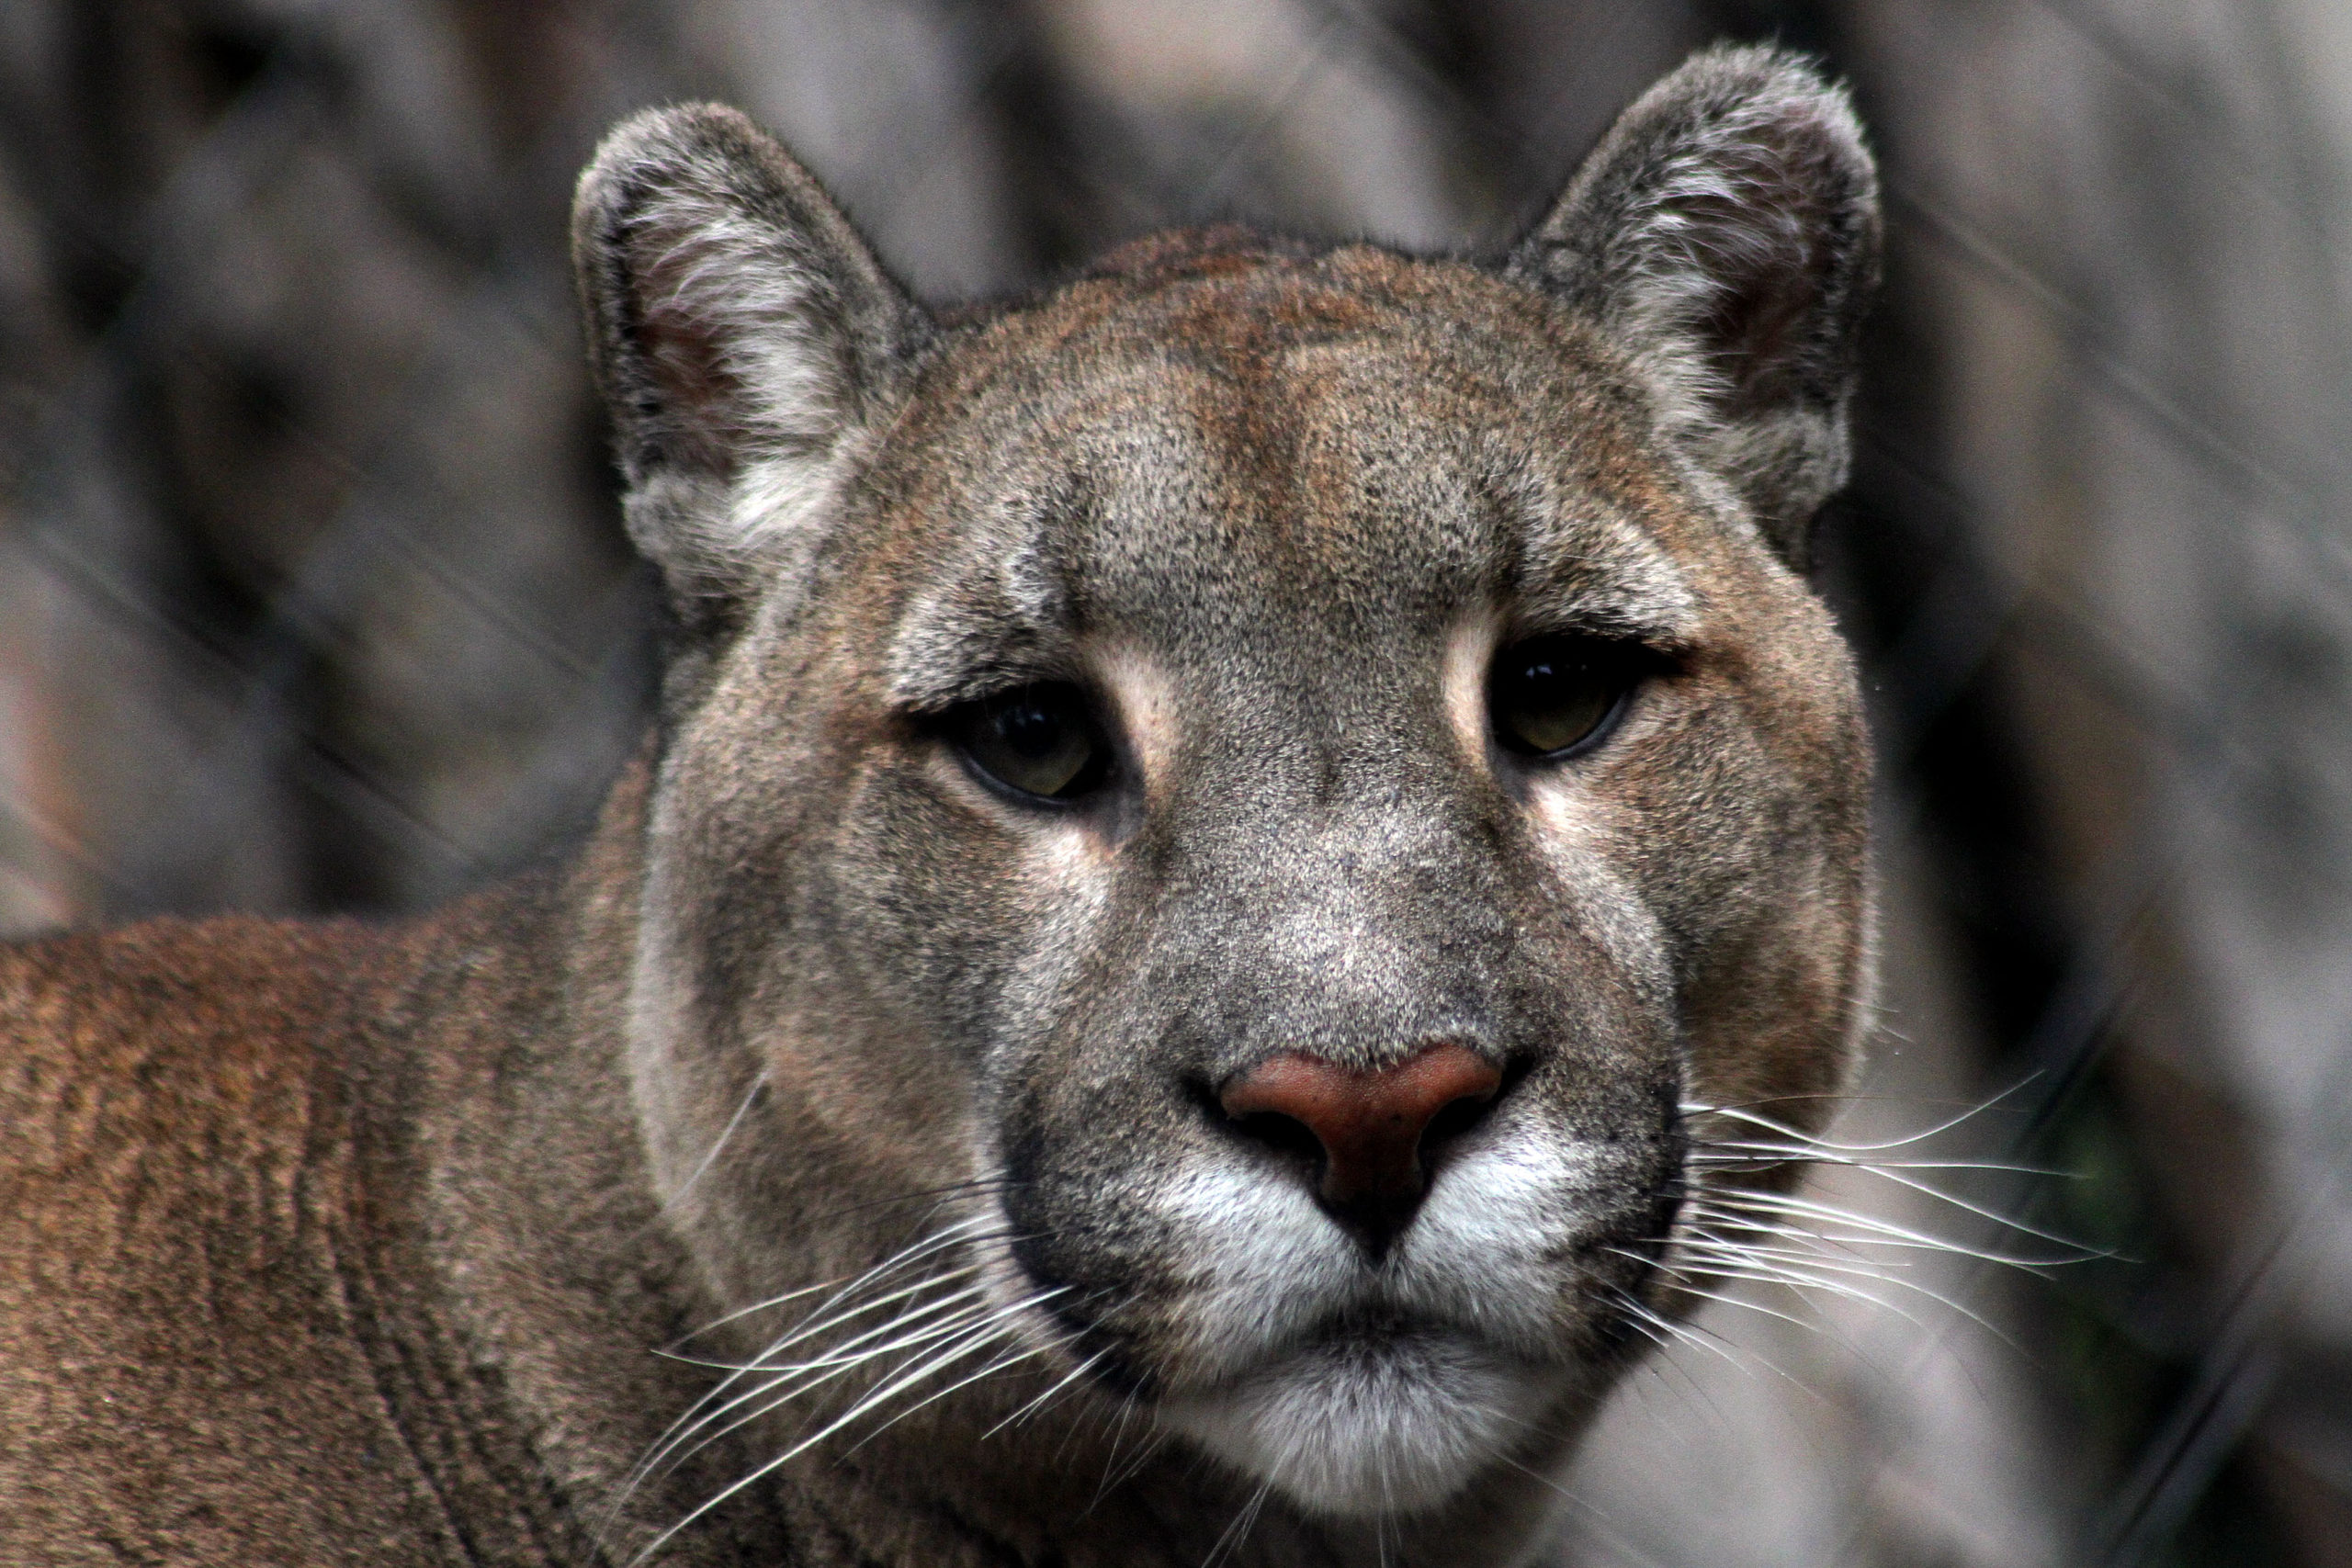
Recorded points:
(192, 1360)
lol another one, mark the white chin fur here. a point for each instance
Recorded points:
(1355, 1427)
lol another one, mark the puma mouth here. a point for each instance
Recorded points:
(1225, 1298)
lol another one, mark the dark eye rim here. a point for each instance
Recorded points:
(951, 726)
(1635, 665)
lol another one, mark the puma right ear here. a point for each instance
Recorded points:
(1726, 233)
(745, 339)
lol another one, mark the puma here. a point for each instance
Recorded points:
(1220, 843)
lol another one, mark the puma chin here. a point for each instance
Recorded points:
(1369, 1389)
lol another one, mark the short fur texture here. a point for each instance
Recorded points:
(887, 1100)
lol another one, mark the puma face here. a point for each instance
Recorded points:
(1257, 795)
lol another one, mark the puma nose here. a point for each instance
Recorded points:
(1369, 1126)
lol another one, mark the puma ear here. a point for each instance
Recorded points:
(1726, 233)
(745, 339)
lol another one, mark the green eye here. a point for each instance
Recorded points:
(1549, 695)
(1037, 740)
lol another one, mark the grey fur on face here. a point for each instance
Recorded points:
(1267, 517)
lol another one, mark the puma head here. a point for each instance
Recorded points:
(1256, 794)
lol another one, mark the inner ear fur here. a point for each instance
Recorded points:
(744, 338)
(1726, 234)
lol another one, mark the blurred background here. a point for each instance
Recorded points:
(314, 596)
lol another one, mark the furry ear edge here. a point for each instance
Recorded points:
(744, 338)
(1726, 232)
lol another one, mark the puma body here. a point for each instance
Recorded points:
(1217, 839)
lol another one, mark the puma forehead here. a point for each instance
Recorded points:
(1214, 837)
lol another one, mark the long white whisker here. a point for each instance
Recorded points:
(1749, 1156)
(764, 1364)
(913, 1252)
(1791, 1259)
(1657, 1323)
(758, 1085)
(999, 1322)
(1822, 1242)
(771, 1302)
(1809, 1326)
(840, 1307)
(809, 1327)
(1783, 1130)
(1038, 1403)
(797, 1382)
(1800, 1284)
(955, 1331)
(1229, 1539)
(1805, 1272)
(1736, 1265)
(1789, 1203)
(862, 1345)
(1012, 1358)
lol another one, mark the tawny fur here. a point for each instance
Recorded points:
(357, 1244)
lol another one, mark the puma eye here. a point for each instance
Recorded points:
(1037, 740)
(1549, 695)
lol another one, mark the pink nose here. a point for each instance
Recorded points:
(1369, 1124)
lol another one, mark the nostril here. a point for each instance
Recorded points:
(1285, 1134)
(1457, 1118)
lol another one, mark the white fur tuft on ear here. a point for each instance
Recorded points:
(745, 339)
(1725, 233)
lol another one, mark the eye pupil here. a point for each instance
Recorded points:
(1549, 695)
(1029, 730)
(1039, 741)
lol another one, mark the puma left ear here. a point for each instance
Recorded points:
(745, 339)
(1725, 232)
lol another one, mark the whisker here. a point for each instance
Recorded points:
(1790, 1318)
(992, 1326)
(1800, 1284)
(842, 1306)
(907, 1319)
(1745, 1223)
(796, 1382)
(741, 1313)
(1809, 1208)
(814, 1324)
(996, 1323)
(1791, 1259)
(1801, 1271)
(1782, 1129)
(913, 1252)
(1149, 1445)
(1229, 1540)
(1617, 1542)
(762, 1364)
(1038, 1403)
(1656, 1323)
(1747, 1154)
(1010, 1359)
(759, 1086)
